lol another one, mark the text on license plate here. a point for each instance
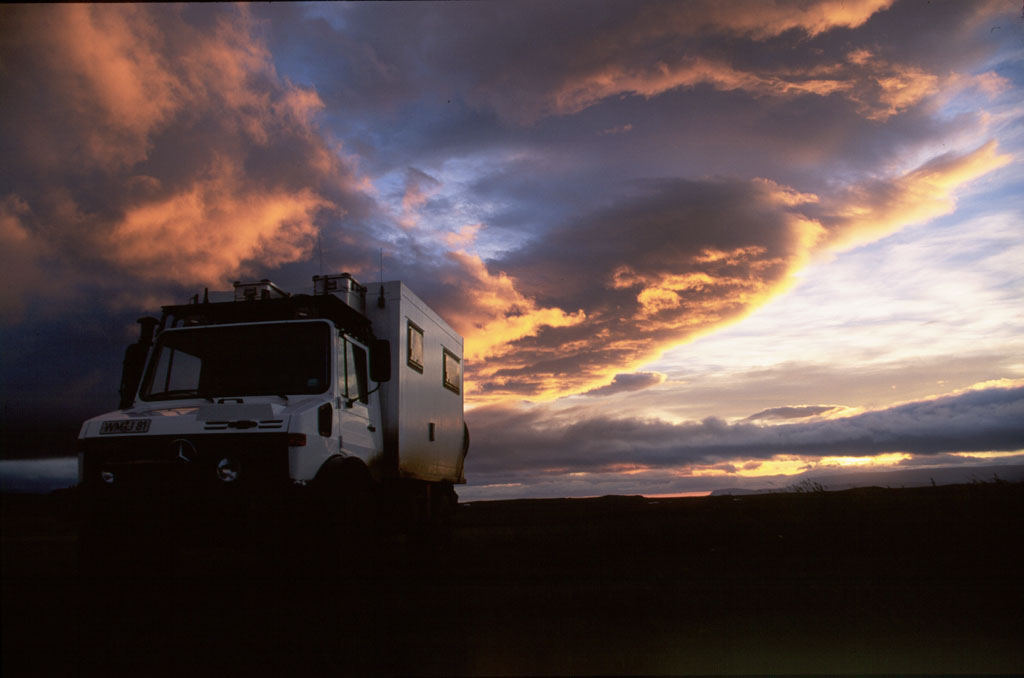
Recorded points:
(125, 426)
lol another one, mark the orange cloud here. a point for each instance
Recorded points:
(882, 89)
(168, 150)
(213, 227)
(122, 79)
(879, 89)
(877, 208)
(419, 186)
(759, 20)
(464, 237)
(495, 314)
(132, 70)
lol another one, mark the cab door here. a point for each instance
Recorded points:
(359, 426)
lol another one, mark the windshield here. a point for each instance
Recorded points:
(265, 359)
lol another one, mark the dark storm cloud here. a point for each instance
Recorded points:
(798, 412)
(516, 440)
(626, 383)
(532, 60)
(702, 89)
(677, 257)
(667, 227)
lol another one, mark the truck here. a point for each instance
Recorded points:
(332, 414)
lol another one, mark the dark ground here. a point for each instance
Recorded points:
(925, 580)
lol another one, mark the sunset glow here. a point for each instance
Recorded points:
(690, 245)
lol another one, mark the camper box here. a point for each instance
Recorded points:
(424, 428)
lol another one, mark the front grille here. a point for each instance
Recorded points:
(185, 467)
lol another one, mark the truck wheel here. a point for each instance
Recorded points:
(444, 502)
(346, 507)
(432, 533)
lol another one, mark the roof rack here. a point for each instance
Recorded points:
(267, 309)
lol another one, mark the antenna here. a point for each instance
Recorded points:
(320, 248)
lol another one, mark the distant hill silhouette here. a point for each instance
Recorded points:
(915, 477)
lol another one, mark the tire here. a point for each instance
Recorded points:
(434, 524)
(345, 520)
(444, 503)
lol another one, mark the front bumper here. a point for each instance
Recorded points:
(173, 482)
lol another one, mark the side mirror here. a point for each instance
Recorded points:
(380, 360)
(134, 362)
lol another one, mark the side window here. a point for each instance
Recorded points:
(359, 363)
(415, 343)
(353, 371)
(452, 371)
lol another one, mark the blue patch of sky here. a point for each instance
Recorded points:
(333, 13)
(948, 287)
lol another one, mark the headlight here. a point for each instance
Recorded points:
(227, 469)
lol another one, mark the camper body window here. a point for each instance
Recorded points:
(415, 343)
(452, 371)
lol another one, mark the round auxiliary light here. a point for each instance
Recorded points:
(227, 469)
(107, 477)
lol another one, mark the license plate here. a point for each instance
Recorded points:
(125, 426)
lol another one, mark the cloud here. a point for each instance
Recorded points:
(538, 60)
(492, 314)
(675, 259)
(874, 208)
(212, 227)
(757, 19)
(626, 383)
(978, 420)
(792, 412)
(21, 252)
(419, 186)
(679, 258)
(158, 143)
(621, 129)
(463, 237)
(653, 48)
(878, 88)
(108, 66)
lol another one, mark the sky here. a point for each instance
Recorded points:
(690, 245)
